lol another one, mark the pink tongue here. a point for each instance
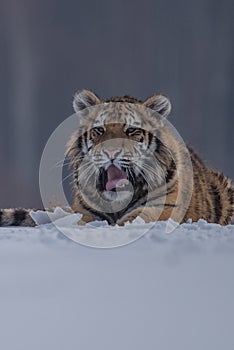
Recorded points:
(116, 178)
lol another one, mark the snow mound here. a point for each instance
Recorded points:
(101, 235)
(163, 291)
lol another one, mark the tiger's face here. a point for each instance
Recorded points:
(115, 154)
(118, 153)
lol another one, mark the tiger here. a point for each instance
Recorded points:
(127, 162)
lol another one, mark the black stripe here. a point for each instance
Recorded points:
(170, 205)
(128, 108)
(208, 209)
(165, 205)
(19, 217)
(170, 171)
(231, 195)
(171, 190)
(230, 211)
(135, 202)
(1, 214)
(150, 139)
(96, 213)
(86, 138)
(80, 142)
(160, 148)
(217, 202)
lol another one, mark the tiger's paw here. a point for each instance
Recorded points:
(84, 220)
(129, 217)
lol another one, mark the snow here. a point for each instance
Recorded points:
(162, 291)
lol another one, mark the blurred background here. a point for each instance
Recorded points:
(50, 49)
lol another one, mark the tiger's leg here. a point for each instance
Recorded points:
(85, 219)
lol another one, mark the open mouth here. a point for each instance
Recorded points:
(113, 178)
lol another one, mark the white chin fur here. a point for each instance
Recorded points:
(116, 196)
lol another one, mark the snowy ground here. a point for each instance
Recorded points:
(164, 291)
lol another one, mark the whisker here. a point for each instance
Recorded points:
(65, 178)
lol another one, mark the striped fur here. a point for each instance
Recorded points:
(213, 195)
(15, 217)
(157, 194)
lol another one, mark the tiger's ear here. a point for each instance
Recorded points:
(84, 99)
(159, 103)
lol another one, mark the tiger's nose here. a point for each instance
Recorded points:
(111, 153)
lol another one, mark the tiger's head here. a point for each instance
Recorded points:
(117, 154)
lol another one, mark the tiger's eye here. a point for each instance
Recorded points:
(133, 131)
(99, 130)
